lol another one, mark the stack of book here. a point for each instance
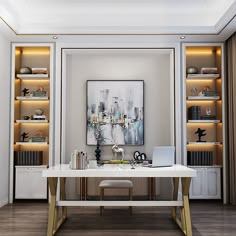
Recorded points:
(37, 117)
(211, 93)
(38, 139)
(208, 117)
(194, 113)
(39, 70)
(209, 70)
(200, 158)
(39, 93)
(26, 158)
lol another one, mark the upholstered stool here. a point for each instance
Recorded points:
(115, 184)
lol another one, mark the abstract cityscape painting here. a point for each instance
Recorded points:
(115, 112)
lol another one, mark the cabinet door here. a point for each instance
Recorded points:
(23, 183)
(30, 184)
(207, 184)
(38, 184)
(197, 187)
(213, 190)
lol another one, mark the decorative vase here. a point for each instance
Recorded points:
(98, 152)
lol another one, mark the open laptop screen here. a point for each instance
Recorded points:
(163, 156)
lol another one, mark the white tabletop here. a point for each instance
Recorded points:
(110, 170)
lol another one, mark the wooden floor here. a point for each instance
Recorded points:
(30, 219)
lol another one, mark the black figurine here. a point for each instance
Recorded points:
(25, 91)
(24, 135)
(200, 133)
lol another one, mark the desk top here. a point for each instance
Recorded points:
(110, 170)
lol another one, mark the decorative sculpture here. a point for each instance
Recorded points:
(25, 91)
(98, 136)
(200, 133)
(24, 135)
(116, 149)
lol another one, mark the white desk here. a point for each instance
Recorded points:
(176, 172)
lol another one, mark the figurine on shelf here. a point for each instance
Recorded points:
(193, 91)
(39, 133)
(200, 133)
(25, 91)
(204, 91)
(24, 135)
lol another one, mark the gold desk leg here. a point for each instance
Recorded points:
(63, 195)
(175, 196)
(80, 188)
(153, 188)
(186, 211)
(85, 188)
(150, 188)
(52, 208)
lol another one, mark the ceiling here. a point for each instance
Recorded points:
(159, 17)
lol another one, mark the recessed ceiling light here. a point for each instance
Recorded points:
(182, 37)
(55, 37)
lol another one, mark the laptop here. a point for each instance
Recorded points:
(163, 156)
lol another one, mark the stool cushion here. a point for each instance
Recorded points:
(116, 184)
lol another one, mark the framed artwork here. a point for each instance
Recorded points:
(115, 112)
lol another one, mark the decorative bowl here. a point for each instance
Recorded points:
(25, 70)
(192, 70)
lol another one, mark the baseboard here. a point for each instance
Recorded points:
(3, 202)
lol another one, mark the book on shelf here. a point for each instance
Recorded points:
(200, 158)
(26, 158)
(194, 113)
(37, 139)
(39, 70)
(38, 117)
(208, 117)
(209, 70)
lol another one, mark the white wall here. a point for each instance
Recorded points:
(154, 66)
(150, 65)
(4, 118)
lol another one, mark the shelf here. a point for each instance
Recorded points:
(203, 98)
(204, 143)
(202, 76)
(31, 121)
(32, 76)
(212, 166)
(31, 166)
(21, 98)
(204, 121)
(31, 143)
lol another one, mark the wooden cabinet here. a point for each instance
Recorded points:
(207, 184)
(29, 182)
(31, 115)
(204, 121)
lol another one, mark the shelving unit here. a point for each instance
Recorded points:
(31, 133)
(204, 115)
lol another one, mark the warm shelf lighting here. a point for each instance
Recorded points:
(34, 101)
(199, 52)
(202, 124)
(203, 145)
(33, 124)
(36, 51)
(17, 52)
(200, 102)
(200, 80)
(35, 80)
(218, 52)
